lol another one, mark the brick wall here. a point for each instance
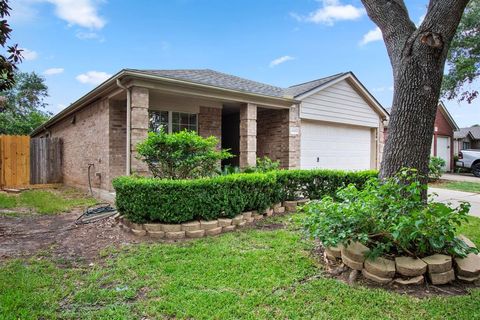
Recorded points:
(210, 123)
(118, 139)
(294, 134)
(85, 140)
(139, 127)
(273, 135)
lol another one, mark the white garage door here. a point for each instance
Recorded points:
(335, 146)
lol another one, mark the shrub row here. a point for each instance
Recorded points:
(174, 201)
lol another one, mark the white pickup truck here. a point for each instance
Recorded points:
(470, 159)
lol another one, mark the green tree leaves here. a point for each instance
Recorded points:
(24, 105)
(464, 57)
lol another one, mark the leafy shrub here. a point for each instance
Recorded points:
(435, 168)
(317, 183)
(264, 164)
(181, 155)
(389, 217)
(175, 201)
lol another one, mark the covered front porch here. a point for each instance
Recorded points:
(249, 127)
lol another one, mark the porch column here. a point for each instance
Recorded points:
(248, 135)
(294, 137)
(139, 127)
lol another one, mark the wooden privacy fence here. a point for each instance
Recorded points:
(25, 161)
(45, 160)
(14, 161)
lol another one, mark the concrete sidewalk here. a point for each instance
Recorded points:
(453, 196)
(460, 177)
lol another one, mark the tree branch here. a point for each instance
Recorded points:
(441, 21)
(392, 17)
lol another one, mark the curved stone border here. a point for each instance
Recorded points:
(438, 268)
(199, 229)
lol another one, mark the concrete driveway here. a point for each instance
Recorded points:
(453, 196)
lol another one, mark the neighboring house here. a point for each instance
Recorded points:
(442, 142)
(333, 122)
(467, 138)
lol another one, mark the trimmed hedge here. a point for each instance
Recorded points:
(175, 201)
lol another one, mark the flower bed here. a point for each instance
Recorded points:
(388, 231)
(146, 200)
(437, 268)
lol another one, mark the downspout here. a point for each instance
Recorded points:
(129, 113)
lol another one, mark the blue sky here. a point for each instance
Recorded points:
(76, 44)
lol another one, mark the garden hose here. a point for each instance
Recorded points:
(95, 213)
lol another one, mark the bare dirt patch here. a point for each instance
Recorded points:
(29, 235)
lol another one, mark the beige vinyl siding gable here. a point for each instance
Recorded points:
(339, 103)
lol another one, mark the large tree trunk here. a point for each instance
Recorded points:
(418, 58)
(417, 82)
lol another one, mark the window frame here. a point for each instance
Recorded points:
(170, 119)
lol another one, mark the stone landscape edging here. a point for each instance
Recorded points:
(200, 228)
(438, 268)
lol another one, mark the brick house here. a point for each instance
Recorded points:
(333, 122)
(466, 138)
(442, 141)
(442, 144)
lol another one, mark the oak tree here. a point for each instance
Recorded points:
(417, 56)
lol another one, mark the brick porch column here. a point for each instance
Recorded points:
(139, 126)
(294, 137)
(248, 135)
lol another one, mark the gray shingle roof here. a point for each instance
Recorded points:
(463, 132)
(226, 81)
(302, 88)
(219, 79)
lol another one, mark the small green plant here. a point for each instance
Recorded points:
(389, 217)
(181, 155)
(229, 169)
(264, 164)
(435, 168)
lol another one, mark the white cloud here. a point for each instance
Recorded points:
(372, 36)
(280, 60)
(332, 11)
(383, 89)
(83, 13)
(53, 71)
(23, 11)
(93, 77)
(29, 55)
(89, 36)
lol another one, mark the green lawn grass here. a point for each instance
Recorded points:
(460, 186)
(250, 274)
(46, 201)
(7, 202)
